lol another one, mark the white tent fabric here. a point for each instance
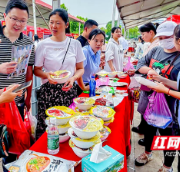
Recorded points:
(137, 12)
(44, 8)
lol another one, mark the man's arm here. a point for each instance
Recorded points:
(29, 77)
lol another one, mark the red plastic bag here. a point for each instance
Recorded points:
(18, 135)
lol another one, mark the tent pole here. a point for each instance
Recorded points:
(114, 12)
(42, 16)
(56, 4)
(79, 28)
(118, 21)
(34, 16)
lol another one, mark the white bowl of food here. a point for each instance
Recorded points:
(85, 126)
(112, 74)
(102, 73)
(84, 103)
(61, 76)
(83, 143)
(79, 151)
(106, 113)
(63, 114)
(122, 76)
(63, 137)
(63, 128)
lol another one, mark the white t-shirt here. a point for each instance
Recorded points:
(50, 55)
(114, 51)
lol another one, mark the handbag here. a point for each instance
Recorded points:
(4, 144)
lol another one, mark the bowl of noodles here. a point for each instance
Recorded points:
(61, 76)
(84, 103)
(86, 126)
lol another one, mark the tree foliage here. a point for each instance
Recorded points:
(74, 27)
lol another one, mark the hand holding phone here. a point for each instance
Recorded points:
(22, 86)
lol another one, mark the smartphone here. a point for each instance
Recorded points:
(23, 86)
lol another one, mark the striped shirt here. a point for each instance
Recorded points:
(5, 56)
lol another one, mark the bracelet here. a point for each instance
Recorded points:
(168, 92)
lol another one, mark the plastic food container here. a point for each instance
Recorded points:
(86, 127)
(63, 114)
(112, 74)
(106, 113)
(106, 123)
(84, 143)
(78, 151)
(104, 133)
(63, 138)
(62, 76)
(122, 76)
(84, 103)
(145, 82)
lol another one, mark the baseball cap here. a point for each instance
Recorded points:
(166, 29)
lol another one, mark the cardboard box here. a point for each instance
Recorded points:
(112, 164)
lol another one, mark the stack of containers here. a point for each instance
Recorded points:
(63, 115)
(84, 134)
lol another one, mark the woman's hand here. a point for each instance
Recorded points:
(160, 88)
(69, 84)
(102, 61)
(8, 95)
(50, 79)
(131, 72)
(152, 74)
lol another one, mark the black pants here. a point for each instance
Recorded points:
(142, 125)
(148, 137)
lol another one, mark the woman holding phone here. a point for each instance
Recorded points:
(57, 52)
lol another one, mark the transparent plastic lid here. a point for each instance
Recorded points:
(53, 120)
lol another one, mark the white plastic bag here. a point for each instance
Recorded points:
(33, 123)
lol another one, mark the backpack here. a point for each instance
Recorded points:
(4, 144)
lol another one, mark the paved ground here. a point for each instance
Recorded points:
(152, 166)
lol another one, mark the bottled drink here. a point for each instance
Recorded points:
(53, 137)
(92, 87)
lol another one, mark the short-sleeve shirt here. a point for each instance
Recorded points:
(82, 40)
(159, 60)
(50, 55)
(91, 64)
(5, 56)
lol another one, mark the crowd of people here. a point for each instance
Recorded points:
(84, 57)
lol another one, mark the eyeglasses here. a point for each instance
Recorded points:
(14, 20)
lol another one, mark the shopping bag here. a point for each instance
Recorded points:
(30, 122)
(129, 65)
(157, 113)
(19, 138)
(134, 90)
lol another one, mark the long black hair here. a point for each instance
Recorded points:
(142, 41)
(148, 27)
(177, 32)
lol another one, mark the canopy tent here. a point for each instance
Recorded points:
(175, 18)
(137, 12)
(44, 8)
